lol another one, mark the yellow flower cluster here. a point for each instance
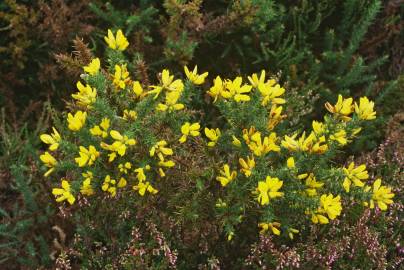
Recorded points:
(121, 77)
(330, 207)
(312, 143)
(162, 151)
(93, 67)
(90, 156)
(118, 42)
(86, 95)
(189, 129)
(76, 121)
(213, 135)
(87, 156)
(247, 165)
(311, 183)
(49, 162)
(355, 176)
(226, 176)
(53, 139)
(344, 108)
(381, 195)
(64, 193)
(269, 189)
(194, 77)
(324, 136)
(143, 185)
(235, 90)
(102, 129)
(119, 146)
(124, 135)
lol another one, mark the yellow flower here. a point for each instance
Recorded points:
(226, 176)
(247, 165)
(53, 139)
(121, 142)
(365, 109)
(142, 187)
(49, 162)
(64, 193)
(249, 133)
(86, 187)
(216, 90)
(290, 163)
(166, 163)
(255, 81)
(261, 147)
(381, 195)
(119, 146)
(329, 206)
(116, 43)
(311, 183)
(269, 189)
(343, 108)
(171, 102)
(319, 218)
(122, 182)
(109, 185)
(340, 137)
(87, 156)
(273, 226)
(86, 95)
(168, 84)
(161, 172)
(230, 236)
(275, 116)
(271, 92)
(194, 77)
(129, 115)
(355, 176)
(102, 129)
(93, 67)
(123, 168)
(76, 122)
(316, 145)
(356, 131)
(236, 142)
(310, 144)
(166, 78)
(137, 89)
(234, 89)
(291, 232)
(213, 135)
(189, 129)
(318, 128)
(141, 176)
(121, 76)
(291, 143)
(220, 204)
(161, 150)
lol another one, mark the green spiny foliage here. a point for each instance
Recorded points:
(25, 213)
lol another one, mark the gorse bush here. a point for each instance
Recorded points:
(155, 165)
(183, 144)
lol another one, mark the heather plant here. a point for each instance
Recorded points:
(181, 152)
